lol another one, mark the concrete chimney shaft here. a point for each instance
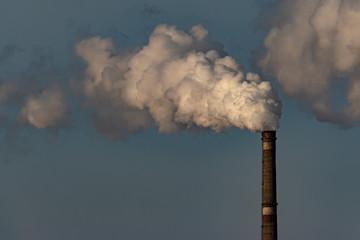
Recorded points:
(269, 204)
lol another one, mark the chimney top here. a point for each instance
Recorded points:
(268, 136)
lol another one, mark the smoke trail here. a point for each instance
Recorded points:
(7, 52)
(44, 110)
(7, 90)
(311, 46)
(178, 81)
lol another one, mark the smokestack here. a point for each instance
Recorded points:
(269, 204)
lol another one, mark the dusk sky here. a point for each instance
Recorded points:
(87, 153)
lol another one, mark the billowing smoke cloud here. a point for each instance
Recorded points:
(178, 81)
(45, 110)
(312, 45)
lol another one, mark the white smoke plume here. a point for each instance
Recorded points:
(312, 45)
(45, 110)
(180, 80)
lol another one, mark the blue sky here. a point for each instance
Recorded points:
(71, 183)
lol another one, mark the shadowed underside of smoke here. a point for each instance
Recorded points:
(177, 81)
(311, 45)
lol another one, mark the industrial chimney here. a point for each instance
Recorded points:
(269, 204)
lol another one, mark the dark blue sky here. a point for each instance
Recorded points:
(71, 183)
